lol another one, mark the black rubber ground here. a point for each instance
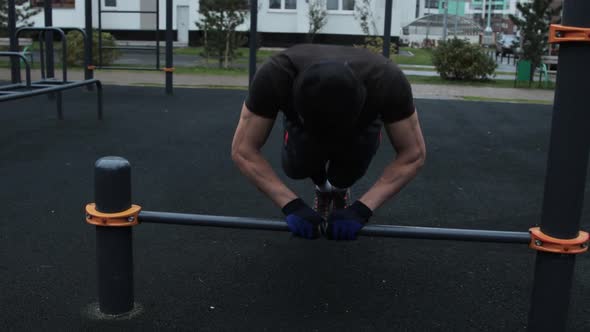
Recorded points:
(485, 169)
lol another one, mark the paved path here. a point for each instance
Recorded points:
(434, 91)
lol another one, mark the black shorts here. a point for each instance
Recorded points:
(340, 162)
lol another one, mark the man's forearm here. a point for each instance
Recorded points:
(258, 171)
(395, 176)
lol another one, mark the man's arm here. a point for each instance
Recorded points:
(251, 134)
(406, 137)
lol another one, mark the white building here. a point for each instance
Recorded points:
(274, 16)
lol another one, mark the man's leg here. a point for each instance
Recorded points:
(303, 157)
(350, 162)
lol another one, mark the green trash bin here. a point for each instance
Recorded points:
(523, 72)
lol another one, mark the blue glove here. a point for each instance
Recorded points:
(344, 224)
(302, 220)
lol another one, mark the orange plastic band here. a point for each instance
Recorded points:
(91, 67)
(543, 242)
(169, 70)
(561, 34)
(120, 219)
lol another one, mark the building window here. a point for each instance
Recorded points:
(342, 5)
(282, 4)
(56, 3)
(431, 4)
(110, 3)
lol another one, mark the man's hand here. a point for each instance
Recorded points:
(302, 220)
(344, 224)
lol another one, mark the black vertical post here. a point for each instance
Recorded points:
(169, 56)
(253, 41)
(157, 34)
(566, 177)
(387, 29)
(48, 11)
(114, 245)
(14, 62)
(88, 74)
(99, 33)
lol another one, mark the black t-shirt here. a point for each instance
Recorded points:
(389, 95)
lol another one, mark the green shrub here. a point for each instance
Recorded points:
(75, 54)
(459, 60)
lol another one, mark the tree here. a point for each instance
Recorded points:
(23, 13)
(220, 18)
(365, 17)
(318, 17)
(534, 29)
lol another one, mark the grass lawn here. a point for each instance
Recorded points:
(421, 57)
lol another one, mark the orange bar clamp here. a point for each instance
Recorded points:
(560, 34)
(120, 219)
(543, 242)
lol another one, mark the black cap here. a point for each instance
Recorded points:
(328, 98)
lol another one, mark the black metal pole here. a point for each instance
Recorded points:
(370, 230)
(48, 11)
(157, 34)
(114, 245)
(169, 45)
(566, 177)
(88, 74)
(253, 40)
(100, 33)
(14, 62)
(387, 29)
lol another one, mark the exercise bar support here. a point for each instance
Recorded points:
(114, 245)
(566, 176)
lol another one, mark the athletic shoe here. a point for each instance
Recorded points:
(341, 199)
(323, 203)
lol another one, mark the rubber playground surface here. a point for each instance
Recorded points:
(485, 169)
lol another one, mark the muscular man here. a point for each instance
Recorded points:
(334, 101)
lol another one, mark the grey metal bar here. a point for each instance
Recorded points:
(127, 68)
(43, 91)
(24, 59)
(430, 233)
(130, 11)
(44, 30)
(138, 48)
(565, 181)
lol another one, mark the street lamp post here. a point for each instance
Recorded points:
(488, 29)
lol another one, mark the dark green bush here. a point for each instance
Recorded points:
(75, 54)
(457, 59)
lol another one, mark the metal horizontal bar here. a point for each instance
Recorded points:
(8, 92)
(430, 233)
(129, 11)
(129, 68)
(209, 220)
(139, 48)
(42, 91)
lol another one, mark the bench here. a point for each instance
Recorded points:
(549, 64)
